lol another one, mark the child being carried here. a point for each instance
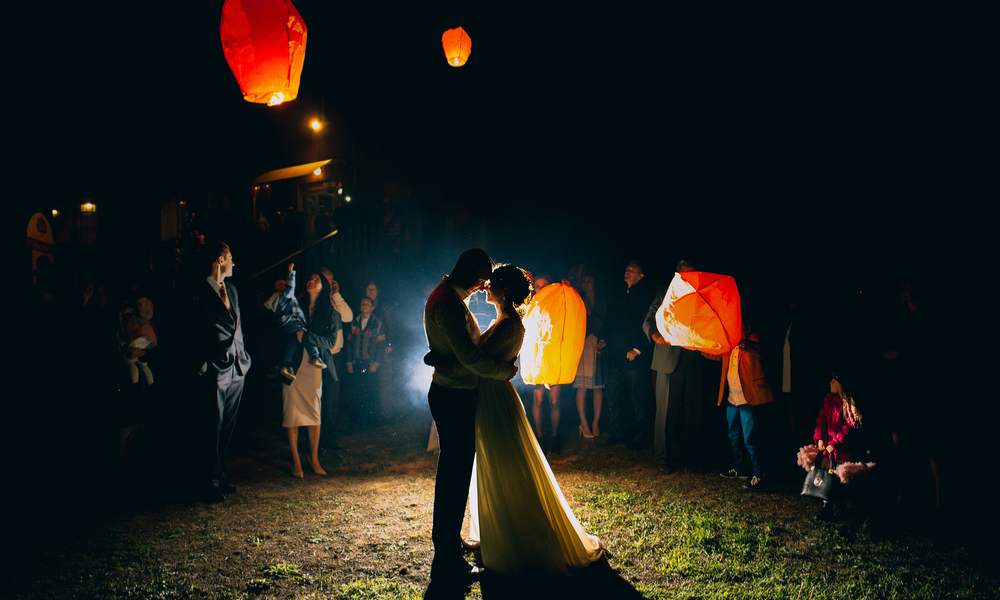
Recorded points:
(290, 320)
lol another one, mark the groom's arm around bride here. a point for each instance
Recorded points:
(452, 331)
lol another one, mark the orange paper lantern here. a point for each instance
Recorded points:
(265, 46)
(457, 46)
(701, 311)
(555, 329)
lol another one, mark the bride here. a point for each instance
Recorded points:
(523, 520)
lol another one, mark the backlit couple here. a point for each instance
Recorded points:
(525, 525)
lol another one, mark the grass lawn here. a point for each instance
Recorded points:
(363, 532)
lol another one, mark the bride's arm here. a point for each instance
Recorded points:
(491, 344)
(456, 330)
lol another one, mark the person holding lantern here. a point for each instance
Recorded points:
(589, 374)
(677, 427)
(538, 393)
(744, 387)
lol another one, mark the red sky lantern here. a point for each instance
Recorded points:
(701, 311)
(457, 46)
(265, 46)
(555, 329)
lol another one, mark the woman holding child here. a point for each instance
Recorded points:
(301, 398)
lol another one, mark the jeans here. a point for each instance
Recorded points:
(743, 437)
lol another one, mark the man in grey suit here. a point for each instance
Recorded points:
(677, 390)
(220, 362)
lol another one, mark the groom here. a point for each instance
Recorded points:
(452, 331)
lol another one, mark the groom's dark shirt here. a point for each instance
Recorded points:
(452, 330)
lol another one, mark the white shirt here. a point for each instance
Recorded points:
(736, 396)
(215, 285)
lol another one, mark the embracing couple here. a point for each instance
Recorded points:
(525, 525)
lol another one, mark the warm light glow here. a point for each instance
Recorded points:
(701, 311)
(88, 207)
(457, 46)
(347, 198)
(265, 45)
(316, 125)
(318, 172)
(340, 190)
(55, 213)
(555, 330)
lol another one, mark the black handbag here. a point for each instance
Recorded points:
(819, 481)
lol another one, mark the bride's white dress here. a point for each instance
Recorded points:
(522, 518)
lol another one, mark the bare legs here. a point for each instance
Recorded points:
(536, 409)
(598, 398)
(293, 444)
(554, 412)
(581, 408)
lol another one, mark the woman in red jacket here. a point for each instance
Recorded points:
(836, 437)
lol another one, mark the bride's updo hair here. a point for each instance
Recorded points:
(516, 281)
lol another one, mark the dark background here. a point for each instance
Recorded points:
(840, 149)
(811, 138)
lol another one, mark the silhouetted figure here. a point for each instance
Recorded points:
(365, 349)
(330, 401)
(590, 371)
(630, 354)
(452, 331)
(221, 363)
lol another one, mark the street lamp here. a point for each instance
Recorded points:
(316, 125)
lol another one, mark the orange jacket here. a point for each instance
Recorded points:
(756, 390)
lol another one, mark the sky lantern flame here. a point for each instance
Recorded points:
(265, 45)
(555, 329)
(701, 311)
(457, 46)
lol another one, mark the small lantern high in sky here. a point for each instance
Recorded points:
(555, 329)
(701, 311)
(265, 46)
(457, 46)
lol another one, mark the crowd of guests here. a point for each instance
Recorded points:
(791, 394)
(768, 395)
(161, 352)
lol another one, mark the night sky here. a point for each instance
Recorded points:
(804, 138)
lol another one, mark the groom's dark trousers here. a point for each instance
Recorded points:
(454, 412)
